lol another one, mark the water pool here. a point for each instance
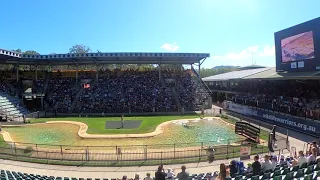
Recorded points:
(213, 130)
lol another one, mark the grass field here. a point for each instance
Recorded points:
(2, 142)
(96, 125)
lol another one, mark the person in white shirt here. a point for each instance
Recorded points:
(170, 174)
(301, 159)
(266, 165)
(313, 156)
(274, 162)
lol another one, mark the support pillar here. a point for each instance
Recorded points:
(159, 72)
(36, 73)
(17, 72)
(42, 103)
(199, 67)
(97, 73)
(77, 73)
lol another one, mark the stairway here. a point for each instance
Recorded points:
(11, 106)
(173, 92)
(46, 83)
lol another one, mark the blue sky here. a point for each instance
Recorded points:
(230, 30)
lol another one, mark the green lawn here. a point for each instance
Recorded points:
(96, 125)
(2, 142)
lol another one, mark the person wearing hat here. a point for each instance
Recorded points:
(170, 174)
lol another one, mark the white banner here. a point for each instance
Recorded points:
(237, 108)
(245, 151)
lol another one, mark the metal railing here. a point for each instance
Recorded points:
(121, 155)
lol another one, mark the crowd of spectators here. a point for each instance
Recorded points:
(262, 168)
(290, 97)
(124, 92)
(190, 91)
(62, 91)
(119, 91)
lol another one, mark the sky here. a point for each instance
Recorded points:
(234, 32)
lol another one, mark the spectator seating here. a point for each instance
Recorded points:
(11, 106)
(62, 92)
(311, 172)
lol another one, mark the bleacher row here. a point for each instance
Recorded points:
(305, 172)
(11, 106)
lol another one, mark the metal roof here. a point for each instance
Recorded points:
(272, 74)
(8, 57)
(263, 73)
(235, 74)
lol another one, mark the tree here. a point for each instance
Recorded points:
(17, 50)
(79, 49)
(31, 52)
(204, 72)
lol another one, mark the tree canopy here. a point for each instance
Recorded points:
(79, 49)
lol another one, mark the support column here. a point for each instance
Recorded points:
(76, 73)
(97, 73)
(159, 72)
(36, 72)
(199, 67)
(17, 72)
(42, 103)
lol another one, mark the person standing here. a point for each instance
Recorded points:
(160, 174)
(122, 122)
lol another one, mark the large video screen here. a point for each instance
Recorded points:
(298, 47)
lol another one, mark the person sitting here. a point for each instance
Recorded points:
(233, 168)
(170, 174)
(266, 165)
(274, 162)
(300, 160)
(256, 166)
(148, 177)
(136, 177)
(183, 175)
(315, 145)
(224, 172)
(312, 158)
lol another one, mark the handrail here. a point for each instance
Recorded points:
(200, 79)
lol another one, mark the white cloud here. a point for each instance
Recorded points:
(268, 51)
(170, 47)
(260, 55)
(253, 49)
(246, 53)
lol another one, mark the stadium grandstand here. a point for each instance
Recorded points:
(277, 110)
(82, 91)
(274, 97)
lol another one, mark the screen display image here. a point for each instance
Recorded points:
(297, 47)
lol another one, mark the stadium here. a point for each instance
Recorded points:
(94, 110)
